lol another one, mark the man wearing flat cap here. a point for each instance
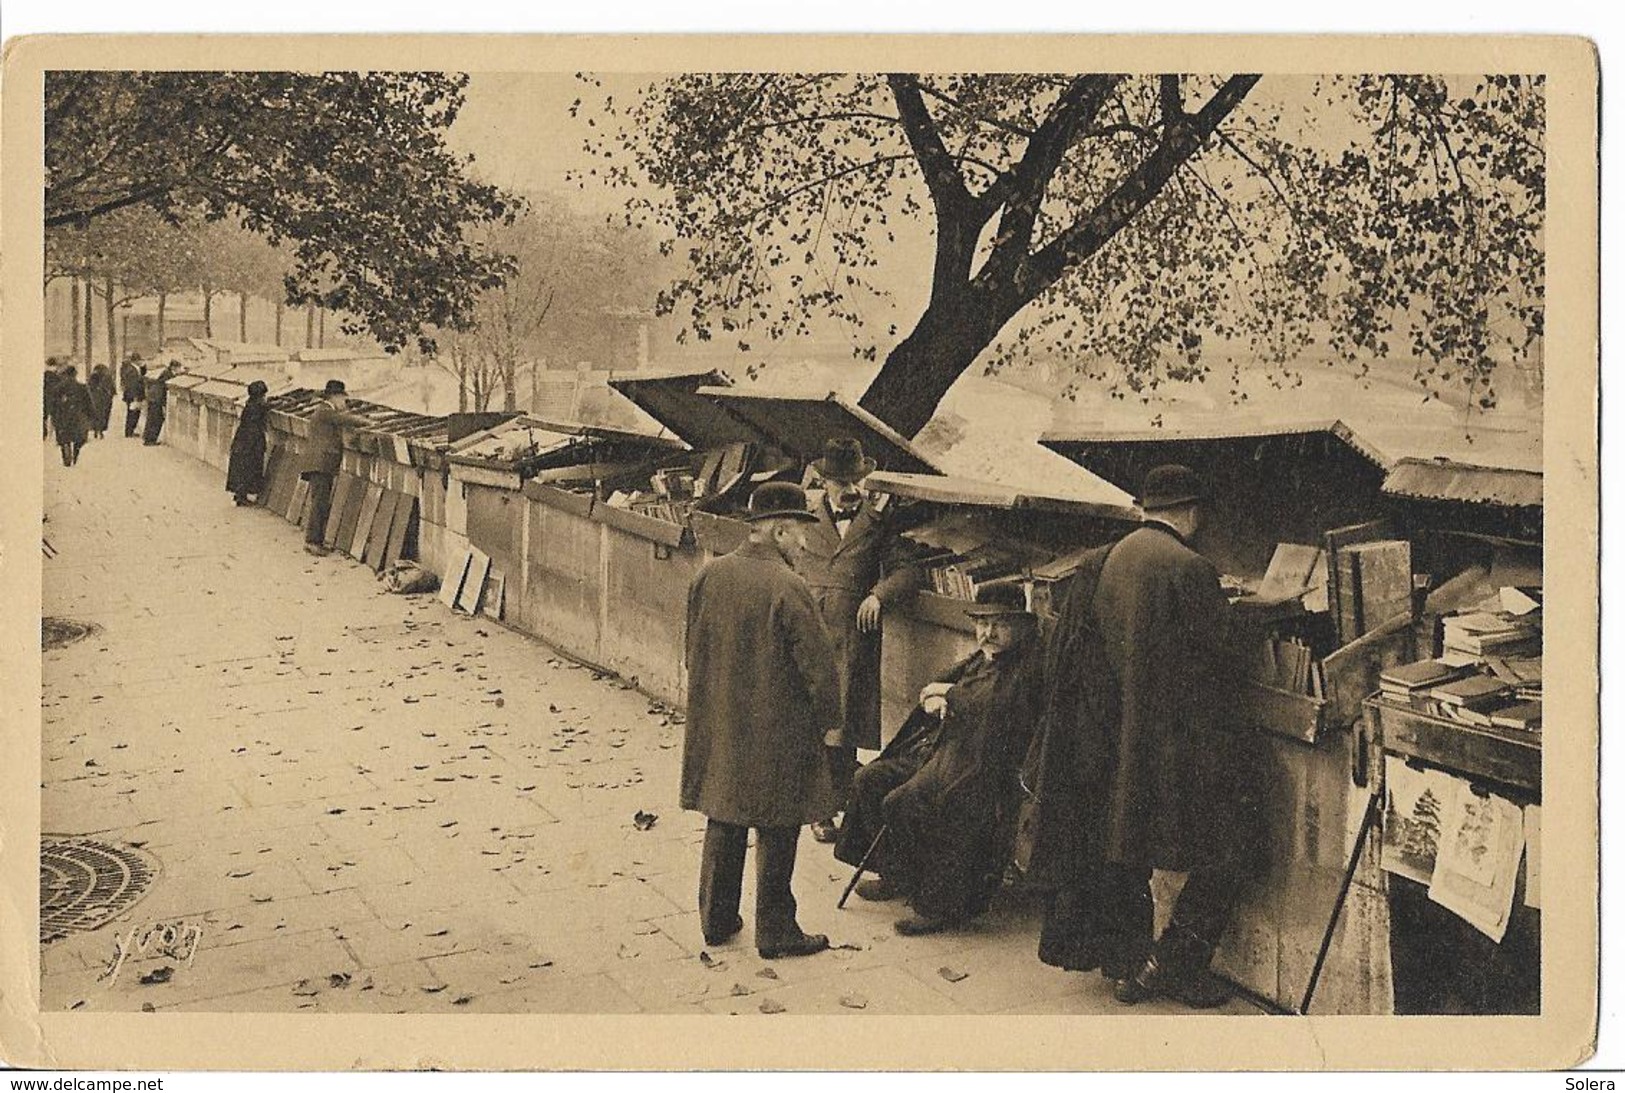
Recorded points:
(1154, 748)
(945, 789)
(763, 705)
(857, 567)
(323, 455)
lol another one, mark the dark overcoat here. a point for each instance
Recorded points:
(956, 816)
(1167, 635)
(871, 559)
(761, 695)
(131, 382)
(102, 395)
(323, 452)
(245, 472)
(71, 411)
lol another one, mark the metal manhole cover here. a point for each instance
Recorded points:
(55, 633)
(84, 884)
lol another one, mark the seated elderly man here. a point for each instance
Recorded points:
(945, 789)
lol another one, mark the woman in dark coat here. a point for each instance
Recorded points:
(246, 473)
(70, 415)
(53, 381)
(102, 394)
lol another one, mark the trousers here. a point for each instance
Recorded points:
(722, 872)
(132, 417)
(321, 502)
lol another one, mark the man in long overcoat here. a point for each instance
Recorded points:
(132, 378)
(942, 802)
(762, 706)
(101, 398)
(71, 414)
(322, 458)
(1149, 741)
(857, 567)
(156, 392)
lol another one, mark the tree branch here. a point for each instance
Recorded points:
(1087, 234)
(77, 216)
(942, 176)
(985, 119)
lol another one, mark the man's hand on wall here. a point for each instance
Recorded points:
(869, 614)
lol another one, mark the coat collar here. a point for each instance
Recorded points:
(1154, 524)
(762, 551)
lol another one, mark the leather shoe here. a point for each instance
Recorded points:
(877, 890)
(825, 831)
(718, 939)
(805, 945)
(1196, 989)
(919, 925)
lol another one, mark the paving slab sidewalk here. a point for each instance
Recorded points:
(367, 803)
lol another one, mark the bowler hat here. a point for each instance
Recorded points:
(1171, 484)
(844, 460)
(779, 499)
(998, 599)
(334, 387)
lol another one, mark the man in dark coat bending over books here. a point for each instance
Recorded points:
(1139, 769)
(946, 787)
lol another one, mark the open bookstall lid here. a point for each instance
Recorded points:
(799, 425)
(952, 490)
(1448, 480)
(1205, 444)
(670, 398)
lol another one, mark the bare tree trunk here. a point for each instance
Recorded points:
(279, 321)
(208, 312)
(242, 316)
(510, 385)
(73, 318)
(321, 328)
(462, 386)
(163, 298)
(310, 326)
(110, 307)
(90, 323)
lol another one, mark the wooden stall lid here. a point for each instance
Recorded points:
(799, 425)
(644, 527)
(1074, 443)
(953, 490)
(1354, 672)
(1335, 540)
(717, 534)
(581, 504)
(672, 399)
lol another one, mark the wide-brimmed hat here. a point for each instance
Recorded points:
(334, 387)
(994, 600)
(1171, 484)
(844, 460)
(779, 499)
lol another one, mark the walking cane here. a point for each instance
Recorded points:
(1366, 822)
(862, 865)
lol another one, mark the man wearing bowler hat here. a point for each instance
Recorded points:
(945, 790)
(324, 454)
(1171, 796)
(762, 709)
(857, 567)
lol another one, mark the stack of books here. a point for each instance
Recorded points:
(1471, 637)
(1290, 665)
(1406, 681)
(961, 578)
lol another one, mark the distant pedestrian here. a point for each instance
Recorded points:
(71, 415)
(156, 391)
(763, 710)
(324, 454)
(246, 472)
(132, 385)
(102, 393)
(53, 380)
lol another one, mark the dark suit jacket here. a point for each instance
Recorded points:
(324, 448)
(871, 559)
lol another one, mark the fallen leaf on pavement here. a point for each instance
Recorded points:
(158, 975)
(338, 980)
(435, 989)
(438, 933)
(240, 874)
(854, 1001)
(542, 964)
(767, 973)
(771, 1005)
(952, 975)
(305, 989)
(643, 821)
(462, 1000)
(739, 990)
(710, 961)
(148, 1007)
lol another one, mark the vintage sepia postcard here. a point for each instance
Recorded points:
(800, 552)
